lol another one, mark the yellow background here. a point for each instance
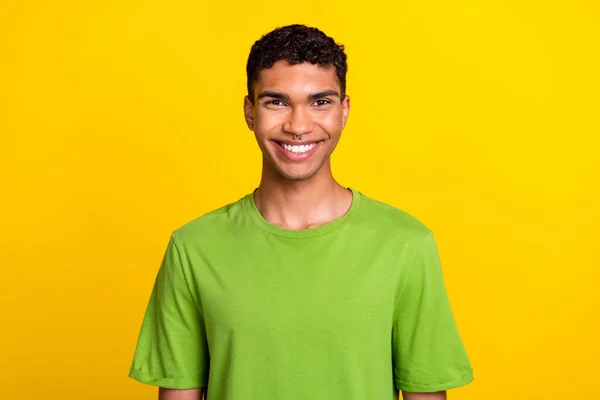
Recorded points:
(122, 120)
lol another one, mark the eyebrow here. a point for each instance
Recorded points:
(274, 95)
(315, 96)
(285, 96)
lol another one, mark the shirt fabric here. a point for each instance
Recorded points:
(355, 309)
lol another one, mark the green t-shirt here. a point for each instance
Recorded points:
(355, 309)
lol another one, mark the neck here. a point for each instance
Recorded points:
(301, 204)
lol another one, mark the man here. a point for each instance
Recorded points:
(303, 289)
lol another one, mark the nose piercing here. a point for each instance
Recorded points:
(296, 137)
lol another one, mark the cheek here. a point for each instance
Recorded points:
(330, 122)
(269, 119)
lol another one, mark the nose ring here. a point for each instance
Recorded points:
(296, 137)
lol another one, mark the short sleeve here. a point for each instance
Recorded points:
(428, 353)
(172, 349)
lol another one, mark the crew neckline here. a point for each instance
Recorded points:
(262, 223)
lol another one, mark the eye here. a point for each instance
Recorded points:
(322, 102)
(276, 103)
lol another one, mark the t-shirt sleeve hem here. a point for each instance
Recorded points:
(425, 388)
(167, 382)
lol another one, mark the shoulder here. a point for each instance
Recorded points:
(391, 221)
(213, 225)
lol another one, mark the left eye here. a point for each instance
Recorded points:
(321, 102)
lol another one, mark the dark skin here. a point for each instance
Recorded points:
(302, 99)
(295, 192)
(180, 394)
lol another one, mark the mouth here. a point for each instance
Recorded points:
(298, 150)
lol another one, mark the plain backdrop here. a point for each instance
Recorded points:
(122, 120)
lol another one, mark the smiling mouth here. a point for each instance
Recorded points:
(298, 148)
(297, 151)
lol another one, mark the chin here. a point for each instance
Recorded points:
(297, 176)
(293, 172)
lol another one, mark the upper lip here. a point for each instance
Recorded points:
(296, 142)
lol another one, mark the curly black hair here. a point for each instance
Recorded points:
(296, 44)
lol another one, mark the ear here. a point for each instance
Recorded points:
(345, 110)
(249, 113)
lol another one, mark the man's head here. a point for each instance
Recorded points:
(296, 103)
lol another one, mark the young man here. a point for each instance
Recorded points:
(303, 289)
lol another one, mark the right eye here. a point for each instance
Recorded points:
(274, 103)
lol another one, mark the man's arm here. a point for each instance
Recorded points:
(424, 396)
(180, 394)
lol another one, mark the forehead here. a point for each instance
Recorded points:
(304, 77)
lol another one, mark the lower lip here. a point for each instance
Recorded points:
(297, 156)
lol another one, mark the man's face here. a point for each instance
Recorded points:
(302, 99)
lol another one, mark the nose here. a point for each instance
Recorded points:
(299, 122)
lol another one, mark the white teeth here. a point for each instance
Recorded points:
(299, 149)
